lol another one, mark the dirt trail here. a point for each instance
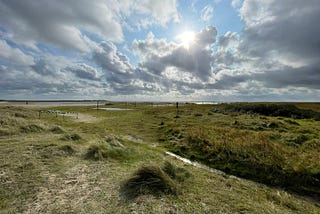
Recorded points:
(80, 117)
(87, 118)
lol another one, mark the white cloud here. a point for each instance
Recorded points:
(275, 56)
(110, 59)
(197, 59)
(278, 48)
(14, 54)
(207, 13)
(236, 3)
(60, 23)
(152, 46)
(162, 11)
(84, 71)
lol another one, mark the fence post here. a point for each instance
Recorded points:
(177, 106)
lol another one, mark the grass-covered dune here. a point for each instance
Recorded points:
(115, 161)
(270, 109)
(276, 144)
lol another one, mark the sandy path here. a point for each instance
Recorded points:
(87, 118)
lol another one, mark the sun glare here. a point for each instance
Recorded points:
(186, 38)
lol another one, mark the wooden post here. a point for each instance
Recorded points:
(97, 104)
(177, 106)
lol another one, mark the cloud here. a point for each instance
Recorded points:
(152, 46)
(84, 71)
(14, 55)
(236, 3)
(196, 60)
(161, 11)
(275, 56)
(288, 31)
(207, 13)
(60, 23)
(305, 76)
(277, 49)
(107, 56)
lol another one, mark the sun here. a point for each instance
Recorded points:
(186, 38)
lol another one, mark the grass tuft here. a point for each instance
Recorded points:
(31, 128)
(96, 152)
(57, 130)
(154, 180)
(71, 137)
(105, 151)
(176, 173)
(68, 149)
(148, 180)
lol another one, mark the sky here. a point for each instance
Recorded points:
(168, 50)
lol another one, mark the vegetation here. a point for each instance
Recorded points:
(271, 150)
(72, 137)
(154, 180)
(270, 109)
(89, 165)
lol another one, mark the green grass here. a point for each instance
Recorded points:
(271, 150)
(43, 171)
